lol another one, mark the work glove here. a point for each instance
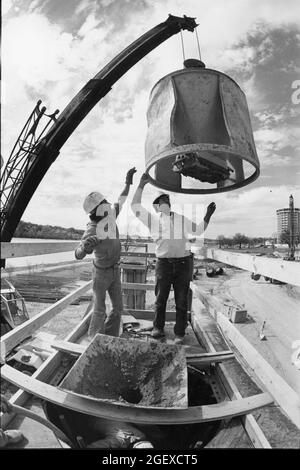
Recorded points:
(89, 244)
(129, 175)
(209, 211)
(144, 180)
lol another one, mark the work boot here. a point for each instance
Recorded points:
(11, 436)
(157, 333)
(178, 339)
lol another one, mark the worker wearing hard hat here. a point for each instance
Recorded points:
(102, 238)
(173, 256)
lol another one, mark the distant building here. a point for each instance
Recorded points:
(284, 219)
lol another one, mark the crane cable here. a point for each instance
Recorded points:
(182, 44)
(198, 43)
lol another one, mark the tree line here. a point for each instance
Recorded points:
(29, 230)
(240, 239)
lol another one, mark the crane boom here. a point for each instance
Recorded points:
(45, 151)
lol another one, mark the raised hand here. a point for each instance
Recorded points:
(210, 210)
(144, 179)
(129, 175)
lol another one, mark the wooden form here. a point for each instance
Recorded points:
(149, 314)
(275, 268)
(285, 396)
(133, 273)
(250, 425)
(46, 369)
(138, 286)
(136, 254)
(134, 413)
(135, 267)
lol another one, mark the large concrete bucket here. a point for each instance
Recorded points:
(136, 373)
(199, 133)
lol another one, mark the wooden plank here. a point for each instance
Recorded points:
(250, 425)
(149, 314)
(138, 286)
(46, 369)
(275, 268)
(284, 395)
(143, 415)
(230, 435)
(138, 267)
(14, 337)
(20, 250)
(136, 254)
(67, 346)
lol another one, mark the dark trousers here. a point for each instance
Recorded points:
(176, 272)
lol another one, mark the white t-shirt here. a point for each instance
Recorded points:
(171, 234)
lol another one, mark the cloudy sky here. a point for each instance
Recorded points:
(51, 48)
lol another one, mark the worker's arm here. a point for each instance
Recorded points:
(123, 196)
(87, 244)
(198, 229)
(136, 206)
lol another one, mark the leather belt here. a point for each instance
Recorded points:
(174, 260)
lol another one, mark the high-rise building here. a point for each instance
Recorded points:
(287, 217)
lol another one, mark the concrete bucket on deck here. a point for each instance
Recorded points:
(199, 128)
(131, 372)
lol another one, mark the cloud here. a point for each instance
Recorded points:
(266, 54)
(274, 144)
(52, 48)
(252, 212)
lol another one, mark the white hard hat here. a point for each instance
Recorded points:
(92, 201)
